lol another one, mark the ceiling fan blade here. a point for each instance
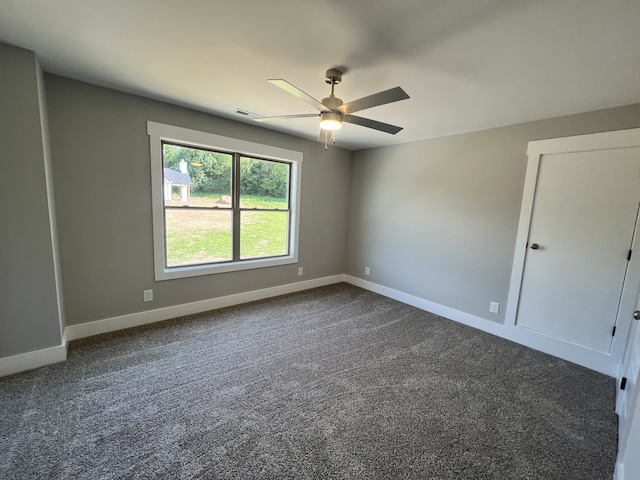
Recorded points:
(296, 92)
(367, 122)
(284, 117)
(380, 98)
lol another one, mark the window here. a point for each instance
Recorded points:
(220, 204)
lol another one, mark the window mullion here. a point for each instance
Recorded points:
(236, 207)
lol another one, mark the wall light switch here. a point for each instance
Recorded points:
(494, 307)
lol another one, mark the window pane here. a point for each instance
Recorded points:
(263, 234)
(197, 236)
(196, 177)
(264, 184)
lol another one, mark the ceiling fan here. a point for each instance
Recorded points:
(333, 112)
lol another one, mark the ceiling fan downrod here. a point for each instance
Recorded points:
(332, 77)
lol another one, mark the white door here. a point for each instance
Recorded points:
(582, 225)
(628, 407)
(631, 459)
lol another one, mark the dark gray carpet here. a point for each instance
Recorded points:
(335, 382)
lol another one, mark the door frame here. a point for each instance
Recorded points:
(604, 363)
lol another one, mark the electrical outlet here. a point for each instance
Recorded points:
(148, 295)
(300, 271)
(367, 271)
(494, 307)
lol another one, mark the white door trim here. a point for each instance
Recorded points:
(536, 149)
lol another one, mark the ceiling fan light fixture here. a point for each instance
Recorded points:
(330, 120)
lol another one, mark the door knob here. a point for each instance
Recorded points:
(535, 246)
(636, 314)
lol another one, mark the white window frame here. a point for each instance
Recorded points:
(159, 132)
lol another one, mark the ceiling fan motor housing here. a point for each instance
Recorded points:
(332, 102)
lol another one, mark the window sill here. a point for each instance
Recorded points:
(210, 269)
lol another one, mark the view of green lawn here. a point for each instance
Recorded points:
(197, 235)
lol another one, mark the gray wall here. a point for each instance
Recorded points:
(438, 219)
(30, 312)
(101, 165)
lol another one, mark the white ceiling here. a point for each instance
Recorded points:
(467, 64)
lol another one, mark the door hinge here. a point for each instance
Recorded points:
(613, 332)
(629, 256)
(623, 383)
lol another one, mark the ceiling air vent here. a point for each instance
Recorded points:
(247, 114)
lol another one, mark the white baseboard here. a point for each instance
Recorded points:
(543, 343)
(35, 359)
(446, 312)
(74, 332)
(39, 358)
(618, 472)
